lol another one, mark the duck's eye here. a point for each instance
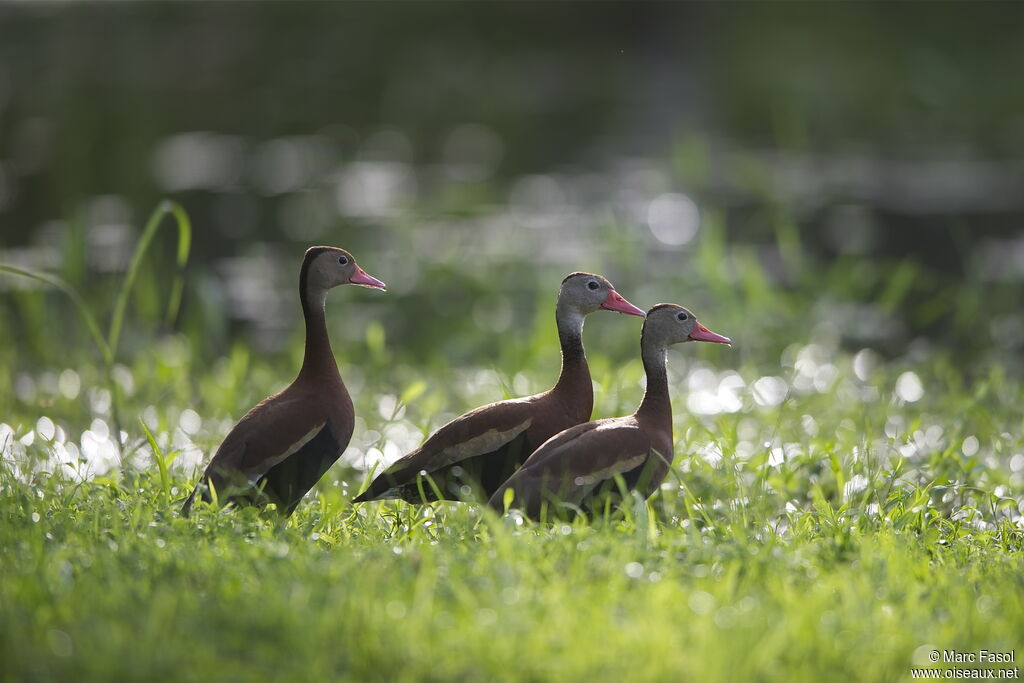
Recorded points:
(593, 284)
(343, 260)
(682, 316)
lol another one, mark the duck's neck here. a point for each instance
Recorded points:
(574, 379)
(656, 406)
(318, 361)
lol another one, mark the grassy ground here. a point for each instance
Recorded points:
(841, 534)
(846, 496)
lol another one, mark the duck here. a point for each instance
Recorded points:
(279, 450)
(469, 457)
(575, 470)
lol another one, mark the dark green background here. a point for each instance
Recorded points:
(867, 159)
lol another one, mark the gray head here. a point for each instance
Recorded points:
(324, 268)
(584, 293)
(668, 324)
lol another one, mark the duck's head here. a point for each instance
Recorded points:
(585, 293)
(668, 324)
(326, 267)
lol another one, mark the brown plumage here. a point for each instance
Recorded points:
(281, 448)
(578, 467)
(471, 455)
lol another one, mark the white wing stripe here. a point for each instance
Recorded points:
(490, 440)
(268, 463)
(608, 472)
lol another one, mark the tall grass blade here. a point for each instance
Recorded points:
(108, 346)
(87, 317)
(162, 462)
(165, 208)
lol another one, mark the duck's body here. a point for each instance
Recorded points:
(472, 455)
(575, 466)
(579, 467)
(280, 449)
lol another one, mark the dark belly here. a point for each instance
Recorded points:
(292, 478)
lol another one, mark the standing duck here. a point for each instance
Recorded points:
(281, 448)
(578, 466)
(474, 453)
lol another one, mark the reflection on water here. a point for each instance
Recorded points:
(199, 161)
(373, 190)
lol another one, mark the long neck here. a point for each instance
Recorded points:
(318, 361)
(574, 379)
(656, 406)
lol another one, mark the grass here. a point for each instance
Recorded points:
(842, 561)
(107, 346)
(833, 513)
(117, 588)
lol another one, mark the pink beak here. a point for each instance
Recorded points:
(701, 333)
(615, 302)
(361, 277)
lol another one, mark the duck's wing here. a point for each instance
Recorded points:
(275, 430)
(481, 433)
(569, 466)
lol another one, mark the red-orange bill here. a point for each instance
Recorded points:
(616, 302)
(361, 277)
(701, 333)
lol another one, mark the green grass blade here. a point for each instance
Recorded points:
(161, 462)
(184, 247)
(148, 232)
(90, 322)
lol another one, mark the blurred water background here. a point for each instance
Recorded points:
(850, 175)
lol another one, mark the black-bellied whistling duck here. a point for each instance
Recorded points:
(281, 448)
(571, 470)
(474, 453)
